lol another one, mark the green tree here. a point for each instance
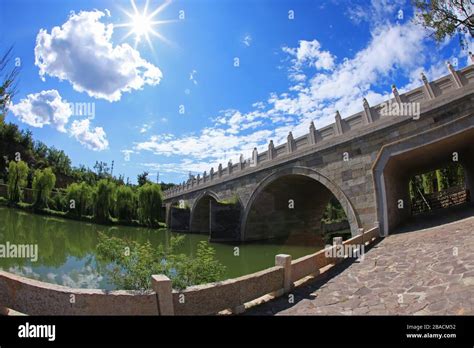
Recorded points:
(333, 212)
(58, 202)
(142, 179)
(104, 200)
(133, 271)
(428, 185)
(125, 203)
(447, 17)
(17, 175)
(59, 161)
(43, 184)
(149, 204)
(102, 169)
(79, 198)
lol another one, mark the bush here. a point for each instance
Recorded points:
(125, 203)
(17, 175)
(43, 184)
(58, 202)
(134, 263)
(104, 200)
(149, 204)
(79, 198)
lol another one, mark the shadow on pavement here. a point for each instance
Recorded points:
(304, 292)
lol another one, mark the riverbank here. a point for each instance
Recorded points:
(66, 215)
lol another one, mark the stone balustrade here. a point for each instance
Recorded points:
(316, 138)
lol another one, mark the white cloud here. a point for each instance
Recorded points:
(392, 48)
(85, 277)
(379, 11)
(92, 139)
(309, 53)
(213, 145)
(183, 167)
(44, 108)
(81, 52)
(146, 127)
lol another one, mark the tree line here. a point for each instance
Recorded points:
(104, 202)
(436, 180)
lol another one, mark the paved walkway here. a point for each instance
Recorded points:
(428, 271)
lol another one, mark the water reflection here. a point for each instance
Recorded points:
(67, 249)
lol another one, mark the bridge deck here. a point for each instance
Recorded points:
(407, 273)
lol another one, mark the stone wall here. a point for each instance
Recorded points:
(38, 298)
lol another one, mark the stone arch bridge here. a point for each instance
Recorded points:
(364, 161)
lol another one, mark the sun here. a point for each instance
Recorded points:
(142, 25)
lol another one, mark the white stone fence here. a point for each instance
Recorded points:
(34, 297)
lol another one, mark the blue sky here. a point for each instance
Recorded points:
(297, 61)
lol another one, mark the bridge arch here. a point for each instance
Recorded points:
(199, 217)
(396, 162)
(305, 175)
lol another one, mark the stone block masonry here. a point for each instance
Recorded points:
(354, 160)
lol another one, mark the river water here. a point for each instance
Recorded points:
(67, 249)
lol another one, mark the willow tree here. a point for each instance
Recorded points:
(125, 203)
(149, 204)
(17, 176)
(104, 200)
(43, 183)
(79, 197)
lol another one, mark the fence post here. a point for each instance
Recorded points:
(337, 244)
(284, 261)
(161, 284)
(362, 233)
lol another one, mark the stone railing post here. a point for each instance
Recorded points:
(338, 124)
(161, 285)
(241, 162)
(454, 75)
(290, 143)
(271, 150)
(312, 134)
(396, 95)
(254, 161)
(368, 118)
(427, 87)
(284, 261)
(337, 244)
(362, 232)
